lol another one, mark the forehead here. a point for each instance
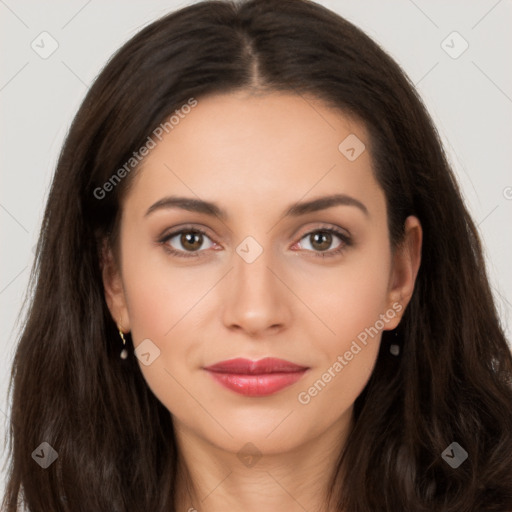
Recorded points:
(247, 148)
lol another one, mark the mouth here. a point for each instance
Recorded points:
(256, 378)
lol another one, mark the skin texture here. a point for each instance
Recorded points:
(255, 156)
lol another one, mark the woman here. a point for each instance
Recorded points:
(257, 286)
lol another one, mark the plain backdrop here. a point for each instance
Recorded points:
(454, 51)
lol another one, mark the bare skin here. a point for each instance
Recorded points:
(255, 156)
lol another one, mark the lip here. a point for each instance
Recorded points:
(256, 378)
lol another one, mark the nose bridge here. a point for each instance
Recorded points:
(255, 298)
(252, 263)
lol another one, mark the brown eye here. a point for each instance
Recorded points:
(191, 240)
(321, 240)
(186, 242)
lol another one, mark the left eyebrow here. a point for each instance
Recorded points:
(294, 210)
(322, 203)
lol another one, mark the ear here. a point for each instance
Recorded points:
(405, 266)
(114, 290)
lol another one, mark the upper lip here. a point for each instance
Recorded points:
(248, 367)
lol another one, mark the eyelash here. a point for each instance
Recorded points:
(347, 242)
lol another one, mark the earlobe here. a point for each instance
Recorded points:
(406, 264)
(114, 290)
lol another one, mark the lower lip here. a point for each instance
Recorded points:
(257, 385)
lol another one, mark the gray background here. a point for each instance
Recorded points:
(469, 97)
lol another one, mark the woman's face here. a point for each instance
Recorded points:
(266, 279)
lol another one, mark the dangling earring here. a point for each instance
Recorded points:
(394, 347)
(124, 352)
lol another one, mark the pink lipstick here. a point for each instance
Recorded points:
(256, 378)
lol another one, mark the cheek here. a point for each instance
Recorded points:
(165, 304)
(160, 294)
(350, 297)
(350, 300)
(161, 301)
(347, 357)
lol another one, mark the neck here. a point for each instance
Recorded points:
(216, 479)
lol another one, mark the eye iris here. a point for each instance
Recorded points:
(327, 240)
(186, 240)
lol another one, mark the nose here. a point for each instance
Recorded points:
(256, 300)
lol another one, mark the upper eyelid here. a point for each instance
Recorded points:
(171, 233)
(174, 232)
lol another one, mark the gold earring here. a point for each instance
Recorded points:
(124, 352)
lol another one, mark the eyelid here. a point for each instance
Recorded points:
(327, 227)
(178, 230)
(341, 233)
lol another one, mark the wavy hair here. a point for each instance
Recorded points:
(114, 439)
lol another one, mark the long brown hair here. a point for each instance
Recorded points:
(114, 439)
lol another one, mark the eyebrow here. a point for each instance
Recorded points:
(295, 210)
